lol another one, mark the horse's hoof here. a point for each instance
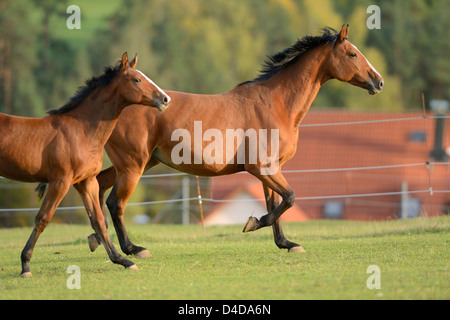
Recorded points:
(26, 275)
(297, 249)
(133, 267)
(252, 225)
(144, 254)
(92, 241)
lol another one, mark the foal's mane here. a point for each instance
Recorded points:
(283, 59)
(92, 84)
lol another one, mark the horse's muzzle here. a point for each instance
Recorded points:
(375, 86)
(162, 102)
(164, 105)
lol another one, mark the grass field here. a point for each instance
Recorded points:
(412, 255)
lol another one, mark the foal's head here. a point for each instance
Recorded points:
(135, 87)
(350, 65)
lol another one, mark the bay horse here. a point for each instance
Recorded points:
(278, 99)
(66, 147)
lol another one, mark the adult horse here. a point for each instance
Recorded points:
(66, 147)
(276, 101)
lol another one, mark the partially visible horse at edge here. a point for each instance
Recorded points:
(66, 147)
(278, 98)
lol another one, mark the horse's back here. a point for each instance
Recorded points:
(143, 133)
(23, 142)
(24, 129)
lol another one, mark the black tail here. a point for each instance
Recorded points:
(40, 189)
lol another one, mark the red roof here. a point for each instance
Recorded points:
(355, 146)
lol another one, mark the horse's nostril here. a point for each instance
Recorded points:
(166, 100)
(381, 84)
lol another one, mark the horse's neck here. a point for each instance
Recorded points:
(98, 114)
(297, 86)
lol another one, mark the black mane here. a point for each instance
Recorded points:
(283, 59)
(82, 93)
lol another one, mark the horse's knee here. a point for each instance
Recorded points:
(116, 207)
(112, 203)
(41, 222)
(290, 199)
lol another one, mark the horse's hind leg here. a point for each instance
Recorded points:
(272, 201)
(56, 192)
(88, 190)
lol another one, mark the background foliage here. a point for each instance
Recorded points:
(209, 46)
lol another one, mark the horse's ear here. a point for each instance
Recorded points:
(133, 62)
(124, 61)
(342, 34)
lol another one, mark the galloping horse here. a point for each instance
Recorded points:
(66, 147)
(276, 100)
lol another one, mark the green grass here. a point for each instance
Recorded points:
(412, 255)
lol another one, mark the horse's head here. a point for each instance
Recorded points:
(350, 65)
(137, 88)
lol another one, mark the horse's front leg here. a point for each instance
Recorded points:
(89, 190)
(106, 179)
(124, 184)
(56, 192)
(272, 201)
(123, 189)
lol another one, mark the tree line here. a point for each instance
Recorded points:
(207, 46)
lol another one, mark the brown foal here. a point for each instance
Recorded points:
(66, 147)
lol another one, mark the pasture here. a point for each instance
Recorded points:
(224, 263)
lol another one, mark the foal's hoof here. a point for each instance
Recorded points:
(297, 249)
(133, 267)
(252, 225)
(26, 275)
(144, 254)
(93, 243)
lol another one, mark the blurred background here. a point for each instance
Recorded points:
(204, 46)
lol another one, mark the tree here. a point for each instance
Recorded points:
(18, 57)
(414, 41)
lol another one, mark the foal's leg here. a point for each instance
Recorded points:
(105, 181)
(272, 201)
(88, 190)
(279, 185)
(56, 192)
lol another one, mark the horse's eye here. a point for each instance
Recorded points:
(353, 55)
(137, 80)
